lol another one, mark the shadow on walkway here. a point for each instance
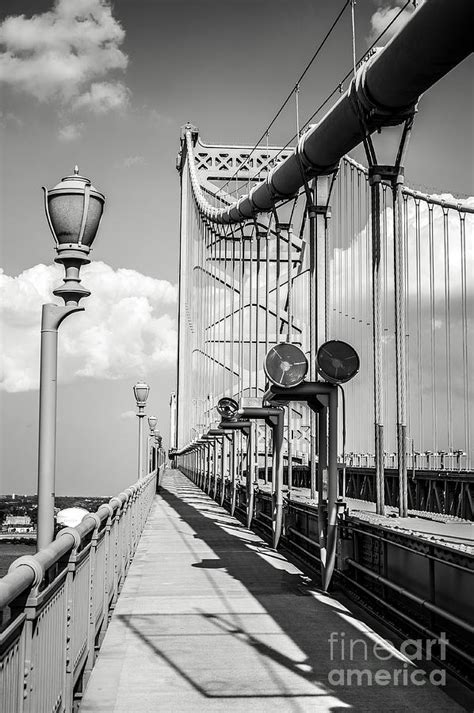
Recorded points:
(336, 657)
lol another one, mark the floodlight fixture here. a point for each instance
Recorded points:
(227, 407)
(285, 365)
(337, 362)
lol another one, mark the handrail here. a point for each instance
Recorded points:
(59, 601)
(29, 570)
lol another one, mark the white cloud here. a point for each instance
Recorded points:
(103, 97)
(384, 16)
(128, 415)
(71, 132)
(133, 161)
(128, 328)
(57, 54)
(157, 118)
(10, 119)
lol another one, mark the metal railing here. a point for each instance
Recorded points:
(55, 605)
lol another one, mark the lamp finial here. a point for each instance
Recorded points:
(76, 170)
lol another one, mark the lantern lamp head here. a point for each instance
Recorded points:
(141, 391)
(73, 210)
(152, 421)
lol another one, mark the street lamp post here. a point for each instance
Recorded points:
(152, 421)
(141, 391)
(160, 453)
(73, 210)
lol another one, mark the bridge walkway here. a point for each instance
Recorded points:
(210, 619)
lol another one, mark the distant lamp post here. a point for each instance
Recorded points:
(73, 210)
(159, 453)
(152, 421)
(141, 391)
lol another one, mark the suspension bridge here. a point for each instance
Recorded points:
(320, 487)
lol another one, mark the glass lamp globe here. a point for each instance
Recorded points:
(141, 391)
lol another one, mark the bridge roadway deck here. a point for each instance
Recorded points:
(210, 619)
(450, 531)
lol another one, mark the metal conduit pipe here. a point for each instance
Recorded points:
(387, 87)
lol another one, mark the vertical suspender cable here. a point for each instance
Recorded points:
(267, 325)
(215, 343)
(233, 360)
(465, 352)
(354, 61)
(352, 275)
(327, 233)
(368, 281)
(377, 343)
(400, 343)
(297, 111)
(433, 325)
(407, 280)
(447, 321)
(289, 336)
(199, 357)
(241, 314)
(277, 281)
(386, 353)
(208, 382)
(257, 337)
(313, 333)
(222, 315)
(257, 312)
(419, 325)
(250, 317)
(360, 280)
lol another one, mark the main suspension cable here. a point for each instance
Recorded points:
(295, 85)
(330, 96)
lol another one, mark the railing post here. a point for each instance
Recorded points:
(108, 567)
(69, 668)
(94, 595)
(29, 694)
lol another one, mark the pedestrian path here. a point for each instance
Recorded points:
(212, 619)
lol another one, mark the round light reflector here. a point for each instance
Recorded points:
(285, 365)
(337, 361)
(227, 407)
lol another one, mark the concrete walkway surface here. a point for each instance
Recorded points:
(211, 619)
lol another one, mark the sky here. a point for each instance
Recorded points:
(108, 87)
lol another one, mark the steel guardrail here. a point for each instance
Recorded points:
(59, 601)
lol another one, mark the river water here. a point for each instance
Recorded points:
(9, 551)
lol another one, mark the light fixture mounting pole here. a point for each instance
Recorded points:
(52, 316)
